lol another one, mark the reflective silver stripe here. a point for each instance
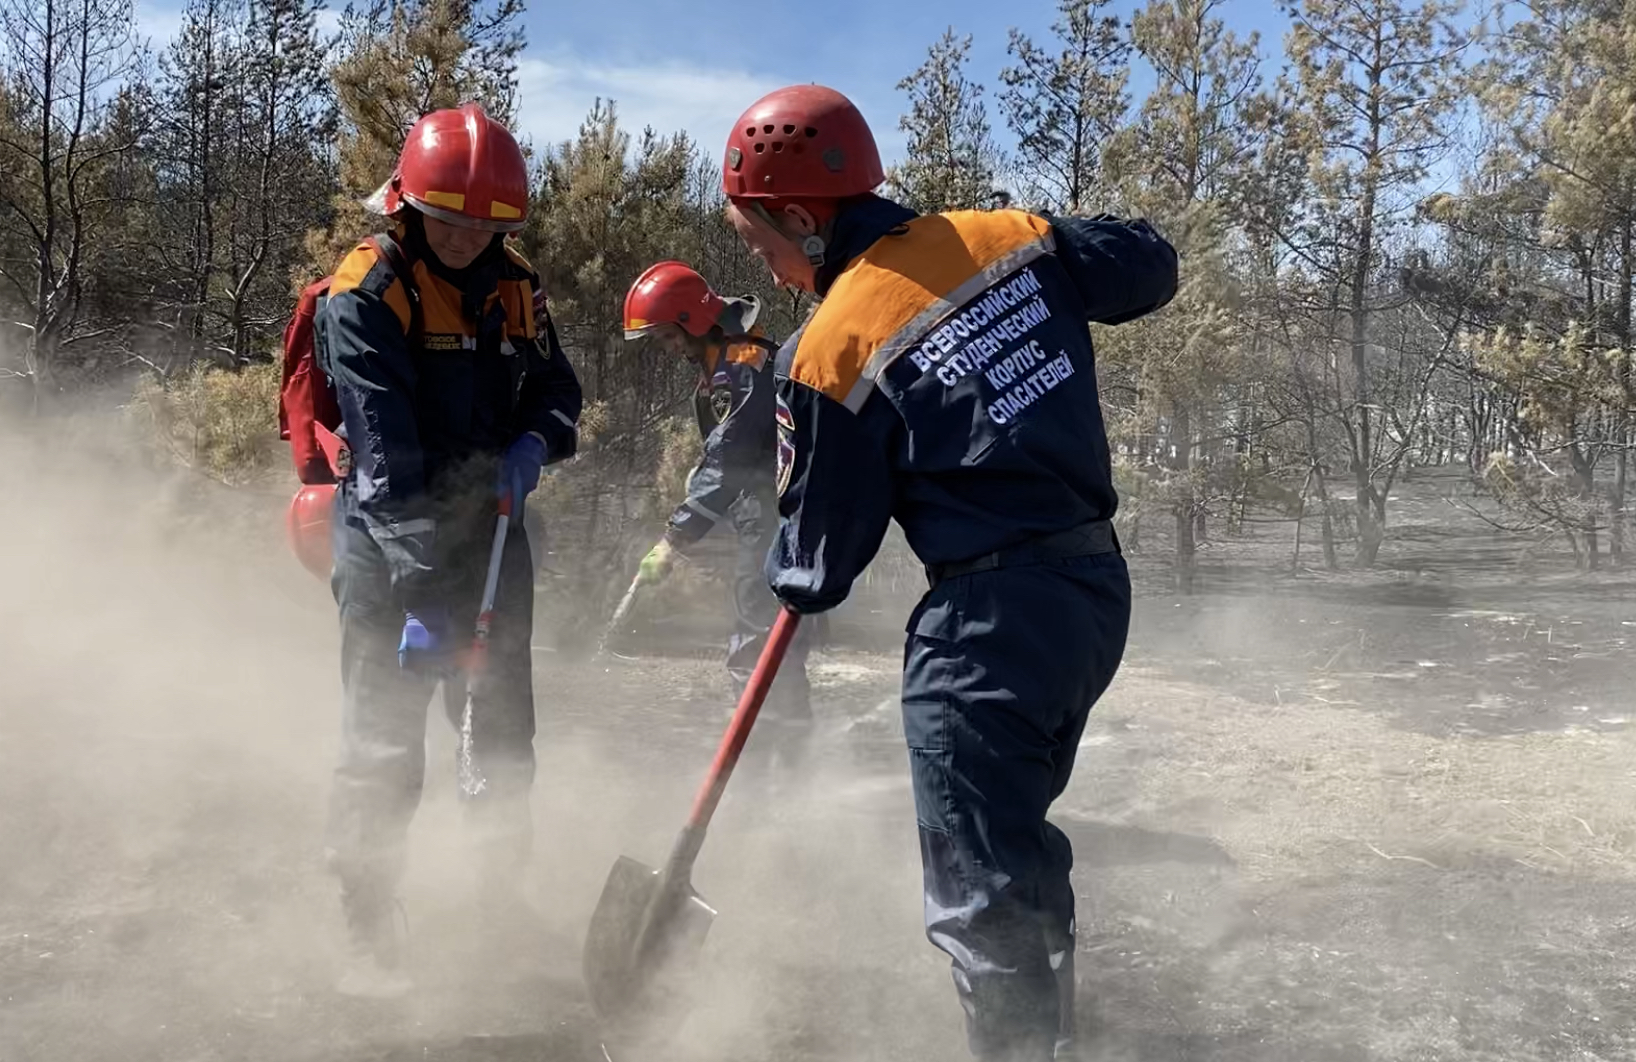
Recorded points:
(702, 511)
(565, 418)
(407, 527)
(929, 318)
(695, 506)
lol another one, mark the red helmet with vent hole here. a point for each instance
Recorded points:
(804, 141)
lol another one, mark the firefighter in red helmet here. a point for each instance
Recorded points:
(734, 405)
(947, 381)
(451, 395)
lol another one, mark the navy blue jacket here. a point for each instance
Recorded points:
(740, 446)
(947, 380)
(428, 422)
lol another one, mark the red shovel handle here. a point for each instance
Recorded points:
(738, 731)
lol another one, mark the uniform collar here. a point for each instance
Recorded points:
(711, 358)
(857, 228)
(476, 282)
(736, 321)
(738, 315)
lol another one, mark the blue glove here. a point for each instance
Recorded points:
(520, 470)
(424, 636)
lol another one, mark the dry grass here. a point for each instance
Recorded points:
(1291, 787)
(221, 423)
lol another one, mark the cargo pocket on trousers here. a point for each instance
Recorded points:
(931, 664)
(931, 758)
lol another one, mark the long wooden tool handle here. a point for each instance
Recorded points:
(732, 743)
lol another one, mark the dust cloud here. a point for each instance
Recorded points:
(1337, 817)
(169, 714)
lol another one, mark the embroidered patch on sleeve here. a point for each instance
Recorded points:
(786, 445)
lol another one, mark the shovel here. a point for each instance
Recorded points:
(650, 924)
(477, 658)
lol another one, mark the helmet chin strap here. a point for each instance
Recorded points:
(812, 246)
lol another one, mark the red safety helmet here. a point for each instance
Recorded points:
(670, 293)
(804, 141)
(462, 167)
(311, 516)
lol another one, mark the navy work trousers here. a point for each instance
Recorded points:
(1001, 669)
(377, 784)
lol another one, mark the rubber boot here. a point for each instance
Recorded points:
(1062, 964)
(512, 930)
(377, 941)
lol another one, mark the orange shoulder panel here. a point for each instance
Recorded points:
(518, 298)
(747, 354)
(902, 286)
(355, 269)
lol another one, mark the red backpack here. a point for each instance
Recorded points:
(308, 414)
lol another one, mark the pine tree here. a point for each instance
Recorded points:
(284, 126)
(952, 160)
(401, 59)
(1184, 164)
(62, 65)
(1376, 86)
(199, 83)
(1560, 84)
(1065, 107)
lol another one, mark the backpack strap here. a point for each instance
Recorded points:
(391, 253)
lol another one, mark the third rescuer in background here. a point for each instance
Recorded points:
(947, 380)
(450, 398)
(735, 406)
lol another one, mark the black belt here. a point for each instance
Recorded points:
(1085, 540)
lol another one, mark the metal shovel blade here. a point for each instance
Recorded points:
(649, 926)
(639, 944)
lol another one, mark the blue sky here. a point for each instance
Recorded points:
(696, 64)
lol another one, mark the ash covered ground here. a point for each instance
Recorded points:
(1383, 815)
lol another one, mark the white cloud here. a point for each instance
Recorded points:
(555, 94)
(158, 22)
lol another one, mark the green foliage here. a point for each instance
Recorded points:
(1557, 380)
(1065, 107)
(399, 60)
(1374, 275)
(952, 161)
